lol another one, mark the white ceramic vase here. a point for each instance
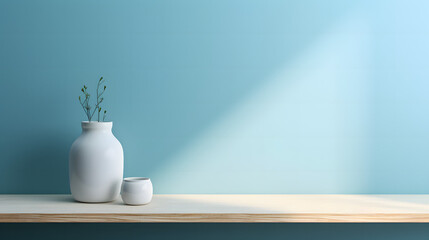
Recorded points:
(96, 164)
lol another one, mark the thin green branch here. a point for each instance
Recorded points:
(98, 117)
(85, 103)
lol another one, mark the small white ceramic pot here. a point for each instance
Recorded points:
(136, 190)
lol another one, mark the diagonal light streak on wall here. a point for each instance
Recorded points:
(305, 128)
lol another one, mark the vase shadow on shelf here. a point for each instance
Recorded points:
(41, 167)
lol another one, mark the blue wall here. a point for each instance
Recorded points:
(222, 96)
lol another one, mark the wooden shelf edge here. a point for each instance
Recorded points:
(213, 218)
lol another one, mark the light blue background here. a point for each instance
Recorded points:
(222, 96)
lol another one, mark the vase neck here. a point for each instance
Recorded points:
(96, 126)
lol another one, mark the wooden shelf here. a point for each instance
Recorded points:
(221, 208)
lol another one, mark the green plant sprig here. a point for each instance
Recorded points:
(99, 98)
(85, 103)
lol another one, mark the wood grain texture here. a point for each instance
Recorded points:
(214, 218)
(221, 208)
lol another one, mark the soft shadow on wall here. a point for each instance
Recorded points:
(303, 130)
(227, 158)
(40, 166)
(196, 93)
(169, 76)
(360, 128)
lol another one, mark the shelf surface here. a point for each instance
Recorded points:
(220, 208)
